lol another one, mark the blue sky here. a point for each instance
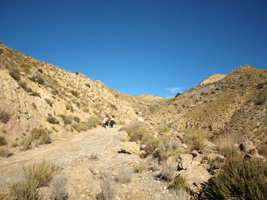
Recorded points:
(157, 47)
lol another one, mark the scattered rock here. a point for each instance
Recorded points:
(184, 146)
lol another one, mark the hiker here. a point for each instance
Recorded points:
(112, 121)
(105, 122)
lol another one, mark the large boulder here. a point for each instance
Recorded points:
(185, 161)
(196, 176)
(129, 147)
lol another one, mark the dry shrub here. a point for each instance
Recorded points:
(35, 176)
(74, 93)
(263, 150)
(134, 125)
(241, 179)
(195, 138)
(42, 135)
(168, 171)
(2, 140)
(163, 129)
(5, 152)
(125, 175)
(14, 73)
(179, 183)
(173, 195)
(52, 120)
(26, 143)
(83, 126)
(58, 187)
(4, 116)
(168, 148)
(67, 120)
(77, 119)
(109, 189)
(152, 163)
(93, 122)
(138, 167)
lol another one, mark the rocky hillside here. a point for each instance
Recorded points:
(35, 94)
(234, 104)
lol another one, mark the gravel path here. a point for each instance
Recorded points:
(86, 158)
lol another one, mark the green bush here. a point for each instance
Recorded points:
(74, 93)
(241, 179)
(77, 119)
(195, 138)
(40, 81)
(67, 120)
(52, 120)
(15, 75)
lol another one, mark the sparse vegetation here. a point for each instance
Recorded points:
(52, 120)
(49, 102)
(263, 150)
(35, 176)
(77, 119)
(14, 73)
(93, 122)
(67, 120)
(2, 140)
(179, 183)
(138, 167)
(58, 187)
(74, 93)
(4, 116)
(83, 126)
(125, 175)
(109, 189)
(168, 171)
(195, 138)
(5, 152)
(152, 163)
(163, 129)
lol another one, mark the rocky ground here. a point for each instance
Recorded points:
(86, 159)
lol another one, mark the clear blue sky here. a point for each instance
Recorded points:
(157, 47)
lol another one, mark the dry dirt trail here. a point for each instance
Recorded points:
(74, 154)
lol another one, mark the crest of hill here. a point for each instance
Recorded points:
(213, 78)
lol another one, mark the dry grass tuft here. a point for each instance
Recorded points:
(195, 138)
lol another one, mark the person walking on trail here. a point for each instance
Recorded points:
(105, 122)
(112, 121)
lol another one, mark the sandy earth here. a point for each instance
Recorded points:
(74, 153)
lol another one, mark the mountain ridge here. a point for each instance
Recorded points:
(32, 91)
